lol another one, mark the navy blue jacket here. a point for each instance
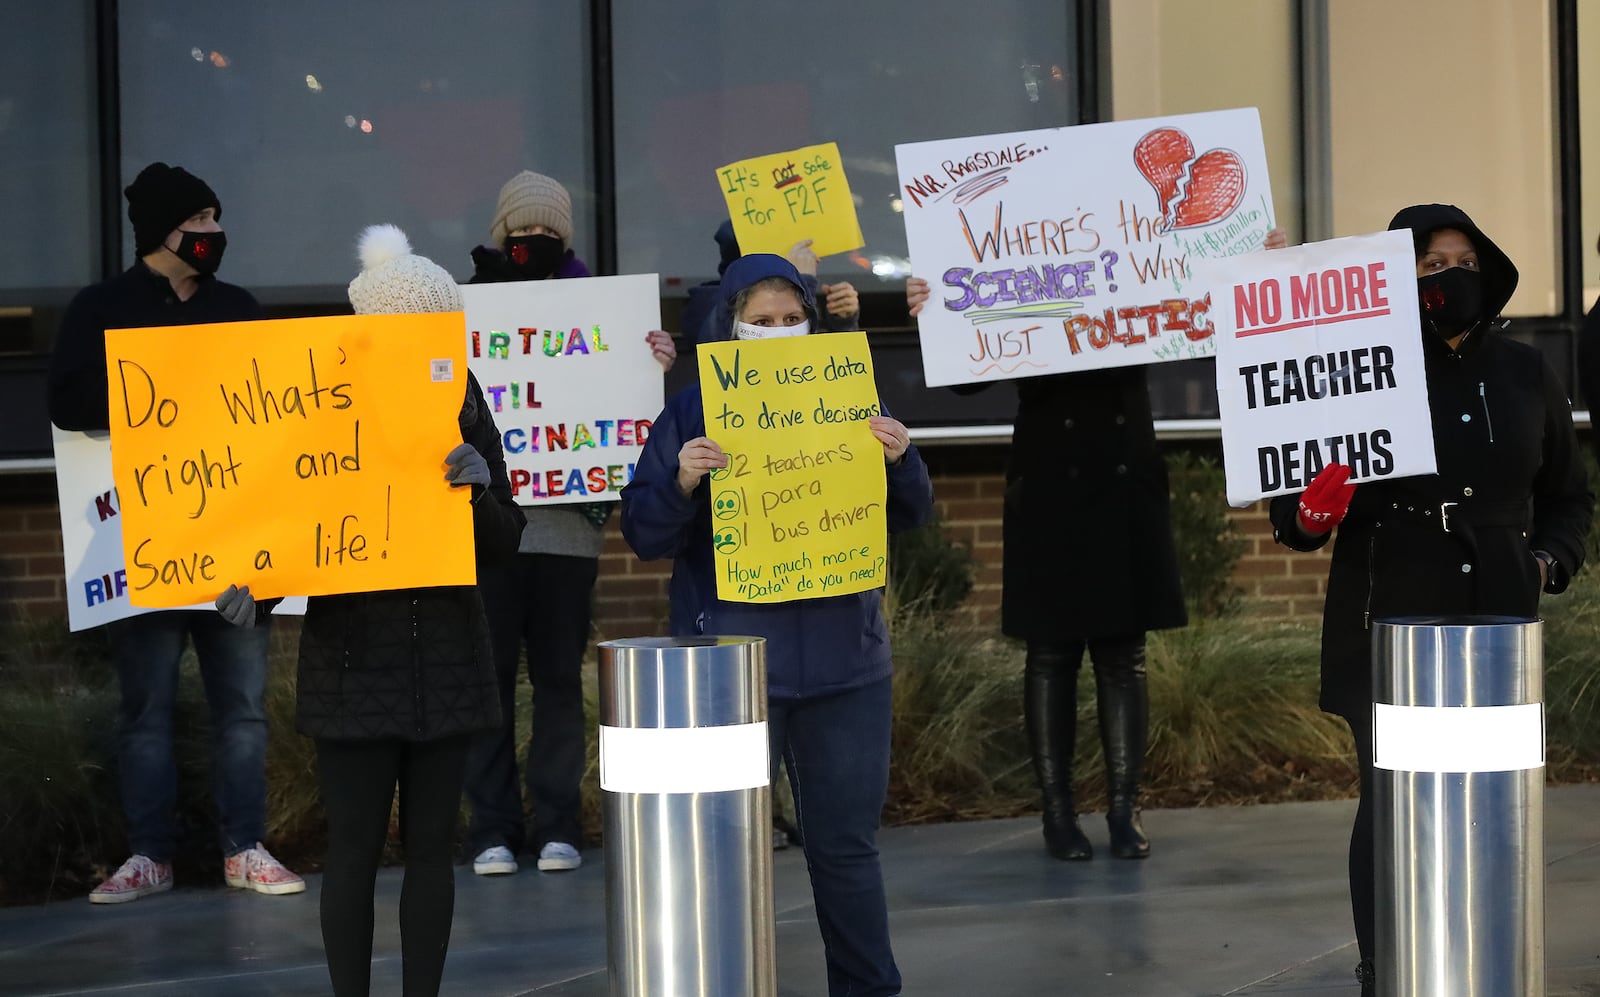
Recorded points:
(815, 647)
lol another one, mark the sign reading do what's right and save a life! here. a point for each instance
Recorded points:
(1319, 361)
(1068, 249)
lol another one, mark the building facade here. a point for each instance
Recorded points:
(313, 120)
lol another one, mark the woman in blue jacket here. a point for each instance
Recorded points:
(828, 659)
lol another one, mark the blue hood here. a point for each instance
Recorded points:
(748, 271)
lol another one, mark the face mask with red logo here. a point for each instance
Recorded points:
(201, 250)
(1451, 300)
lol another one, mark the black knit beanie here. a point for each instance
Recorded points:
(160, 199)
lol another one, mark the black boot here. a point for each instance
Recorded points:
(1124, 710)
(1050, 707)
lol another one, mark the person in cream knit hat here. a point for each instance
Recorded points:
(541, 599)
(395, 281)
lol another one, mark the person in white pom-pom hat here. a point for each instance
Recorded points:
(392, 685)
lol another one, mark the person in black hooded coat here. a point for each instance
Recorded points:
(1504, 518)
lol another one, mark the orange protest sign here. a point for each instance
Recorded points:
(301, 456)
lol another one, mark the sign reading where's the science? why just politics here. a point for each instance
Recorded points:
(298, 456)
(1074, 248)
(570, 380)
(1319, 361)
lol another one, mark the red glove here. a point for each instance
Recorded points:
(1326, 500)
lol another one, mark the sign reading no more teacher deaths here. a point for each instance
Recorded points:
(1319, 361)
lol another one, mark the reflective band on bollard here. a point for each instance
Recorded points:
(688, 817)
(1458, 748)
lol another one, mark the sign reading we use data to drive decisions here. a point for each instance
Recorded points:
(1319, 361)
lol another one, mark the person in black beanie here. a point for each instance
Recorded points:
(179, 242)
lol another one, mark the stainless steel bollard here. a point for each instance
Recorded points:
(688, 817)
(1458, 748)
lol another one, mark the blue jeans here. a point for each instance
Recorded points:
(233, 666)
(836, 751)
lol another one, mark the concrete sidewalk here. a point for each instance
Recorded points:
(1235, 900)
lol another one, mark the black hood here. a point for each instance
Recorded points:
(1499, 273)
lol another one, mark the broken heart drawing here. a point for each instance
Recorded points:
(1194, 191)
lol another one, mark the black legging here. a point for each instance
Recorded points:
(358, 784)
(1363, 874)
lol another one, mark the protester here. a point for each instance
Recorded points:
(1087, 521)
(392, 684)
(705, 318)
(1504, 519)
(541, 598)
(829, 695)
(179, 241)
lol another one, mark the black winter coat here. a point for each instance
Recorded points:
(412, 664)
(1087, 530)
(137, 298)
(1510, 482)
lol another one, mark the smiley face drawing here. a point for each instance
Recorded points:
(727, 540)
(718, 473)
(727, 505)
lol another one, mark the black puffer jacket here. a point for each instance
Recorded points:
(1509, 482)
(412, 664)
(1087, 529)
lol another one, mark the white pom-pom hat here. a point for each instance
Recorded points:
(395, 281)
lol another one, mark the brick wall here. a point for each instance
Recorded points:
(631, 597)
(30, 557)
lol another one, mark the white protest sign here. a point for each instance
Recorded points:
(1073, 248)
(569, 378)
(1319, 361)
(91, 535)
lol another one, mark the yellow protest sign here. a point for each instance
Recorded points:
(776, 201)
(799, 512)
(301, 456)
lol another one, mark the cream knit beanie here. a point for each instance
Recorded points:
(395, 281)
(532, 199)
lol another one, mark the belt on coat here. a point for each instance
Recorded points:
(1459, 521)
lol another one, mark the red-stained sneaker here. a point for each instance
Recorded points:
(140, 876)
(256, 869)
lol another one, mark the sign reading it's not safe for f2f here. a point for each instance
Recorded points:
(1319, 361)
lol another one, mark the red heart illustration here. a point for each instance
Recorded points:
(1162, 156)
(1214, 190)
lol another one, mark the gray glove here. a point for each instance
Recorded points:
(467, 467)
(237, 606)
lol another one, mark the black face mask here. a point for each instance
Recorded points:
(535, 257)
(1451, 300)
(201, 250)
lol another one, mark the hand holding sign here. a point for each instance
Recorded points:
(698, 457)
(1326, 500)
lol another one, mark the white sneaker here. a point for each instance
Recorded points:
(138, 877)
(496, 861)
(558, 856)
